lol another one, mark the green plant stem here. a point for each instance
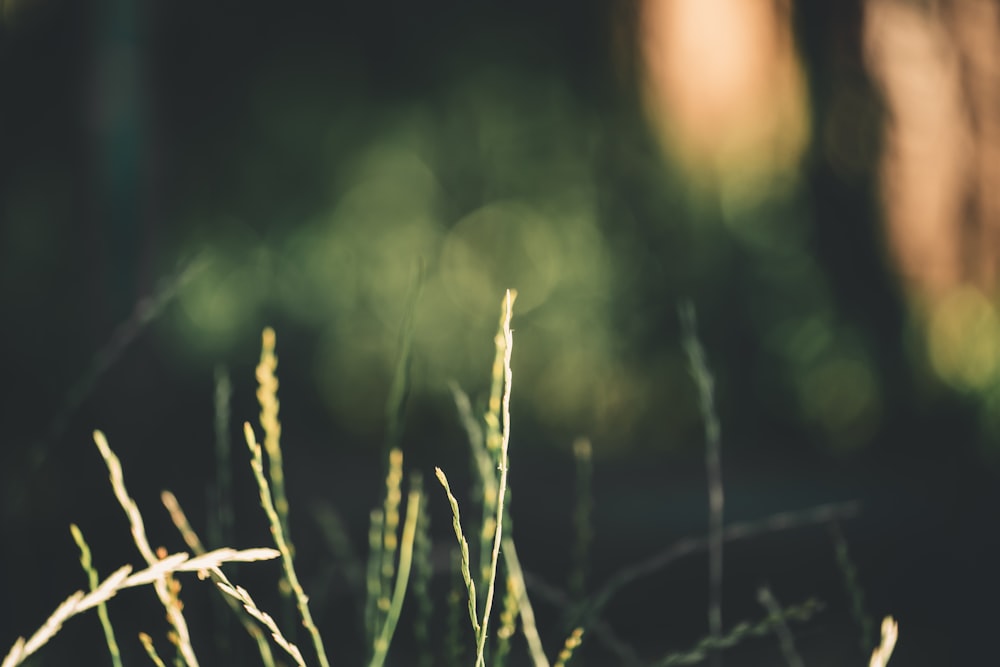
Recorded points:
(191, 538)
(741, 631)
(463, 544)
(713, 462)
(94, 580)
(506, 339)
(267, 502)
(781, 629)
(402, 577)
(524, 607)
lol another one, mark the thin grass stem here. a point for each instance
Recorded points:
(741, 631)
(194, 543)
(713, 462)
(569, 646)
(267, 396)
(691, 545)
(267, 502)
(582, 524)
(423, 572)
(508, 623)
(174, 614)
(490, 460)
(853, 586)
(93, 580)
(146, 310)
(147, 643)
(527, 612)
(240, 594)
(390, 531)
(456, 522)
(221, 524)
(600, 630)
(345, 564)
(402, 577)
(452, 640)
(484, 461)
(220, 512)
(373, 576)
(781, 629)
(399, 391)
(506, 339)
(121, 579)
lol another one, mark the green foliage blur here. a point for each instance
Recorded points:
(316, 170)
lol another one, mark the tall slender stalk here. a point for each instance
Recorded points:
(506, 339)
(713, 463)
(94, 580)
(267, 502)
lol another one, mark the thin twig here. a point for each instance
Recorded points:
(744, 630)
(781, 629)
(599, 629)
(690, 545)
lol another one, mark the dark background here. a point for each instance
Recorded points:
(139, 140)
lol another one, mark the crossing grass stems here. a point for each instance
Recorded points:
(393, 555)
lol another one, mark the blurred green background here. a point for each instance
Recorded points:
(176, 176)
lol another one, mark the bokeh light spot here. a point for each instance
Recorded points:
(841, 395)
(963, 335)
(503, 244)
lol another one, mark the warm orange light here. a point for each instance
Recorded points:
(722, 83)
(938, 68)
(939, 74)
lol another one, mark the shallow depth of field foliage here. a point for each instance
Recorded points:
(489, 584)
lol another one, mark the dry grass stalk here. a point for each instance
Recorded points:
(504, 340)
(505, 344)
(123, 578)
(575, 639)
(527, 612)
(890, 633)
(390, 528)
(194, 542)
(267, 396)
(373, 576)
(147, 643)
(485, 467)
(241, 595)
(508, 623)
(174, 614)
(456, 522)
(267, 502)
